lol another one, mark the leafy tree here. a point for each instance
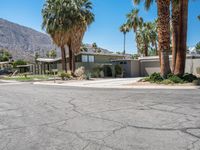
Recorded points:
(4, 55)
(37, 55)
(94, 45)
(48, 54)
(197, 47)
(19, 62)
(53, 53)
(135, 56)
(83, 48)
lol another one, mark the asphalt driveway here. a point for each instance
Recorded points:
(41, 117)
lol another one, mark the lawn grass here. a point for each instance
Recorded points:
(29, 78)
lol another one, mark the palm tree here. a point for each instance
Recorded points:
(147, 3)
(83, 20)
(179, 21)
(135, 22)
(164, 35)
(152, 26)
(66, 22)
(124, 29)
(144, 36)
(175, 33)
(55, 23)
(163, 32)
(150, 36)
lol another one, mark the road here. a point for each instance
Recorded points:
(44, 117)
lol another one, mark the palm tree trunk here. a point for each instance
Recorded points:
(124, 52)
(64, 61)
(137, 42)
(145, 49)
(73, 63)
(71, 59)
(156, 47)
(164, 35)
(182, 47)
(175, 32)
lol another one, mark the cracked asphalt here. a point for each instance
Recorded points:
(38, 117)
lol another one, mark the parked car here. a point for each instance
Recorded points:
(5, 71)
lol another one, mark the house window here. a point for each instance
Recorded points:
(84, 58)
(91, 58)
(123, 62)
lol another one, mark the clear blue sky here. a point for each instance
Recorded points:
(110, 14)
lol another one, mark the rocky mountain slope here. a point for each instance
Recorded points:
(23, 42)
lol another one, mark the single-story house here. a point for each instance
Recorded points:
(89, 60)
(143, 66)
(5, 65)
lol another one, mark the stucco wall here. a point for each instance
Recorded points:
(149, 66)
(135, 69)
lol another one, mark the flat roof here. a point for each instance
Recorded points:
(23, 66)
(170, 57)
(5, 62)
(48, 60)
(104, 54)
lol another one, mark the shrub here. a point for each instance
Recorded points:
(64, 75)
(80, 73)
(175, 79)
(118, 70)
(155, 77)
(167, 81)
(88, 76)
(96, 71)
(19, 62)
(170, 75)
(189, 77)
(147, 79)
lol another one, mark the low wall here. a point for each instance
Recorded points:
(151, 65)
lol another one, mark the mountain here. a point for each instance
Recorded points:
(90, 49)
(22, 42)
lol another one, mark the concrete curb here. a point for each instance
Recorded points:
(119, 87)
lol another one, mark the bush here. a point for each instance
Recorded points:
(87, 76)
(80, 73)
(19, 62)
(64, 75)
(167, 81)
(96, 71)
(175, 79)
(171, 78)
(147, 79)
(118, 70)
(155, 77)
(189, 77)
